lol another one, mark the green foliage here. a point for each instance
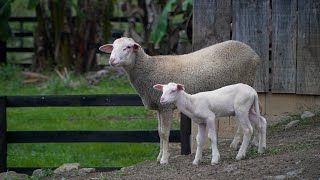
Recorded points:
(159, 29)
(5, 11)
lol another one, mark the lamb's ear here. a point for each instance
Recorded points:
(158, 87)
(180, 87)
(107, 48)
(136, 46)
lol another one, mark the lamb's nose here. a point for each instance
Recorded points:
(112, 59)
(161, 99)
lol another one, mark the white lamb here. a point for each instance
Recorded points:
(203, 108)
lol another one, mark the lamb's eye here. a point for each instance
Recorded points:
(173, 91)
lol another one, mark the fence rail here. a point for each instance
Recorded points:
(135, 136)
(22, 33)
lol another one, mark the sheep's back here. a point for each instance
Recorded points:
(207, 69)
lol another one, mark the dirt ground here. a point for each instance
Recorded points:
(291, 153)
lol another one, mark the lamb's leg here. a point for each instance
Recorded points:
(200, 142)
(165, 118)
(254, 119)
(247, 133)
(263, 122)
(212, 134)
(236, 143)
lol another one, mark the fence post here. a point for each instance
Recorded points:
(185, 133)
(3, 52)
(3, 134)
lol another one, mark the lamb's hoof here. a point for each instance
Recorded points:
(195, 163)
(164, 161)
(239, 157)
(255, 143)
(214, 162)
(158, 159)
(262, 150)
(235, 145)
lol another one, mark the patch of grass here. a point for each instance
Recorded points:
(75, 118)
(287, 148)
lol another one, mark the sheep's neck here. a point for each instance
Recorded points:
(185, 103)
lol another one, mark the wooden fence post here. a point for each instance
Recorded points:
(3, 134)
(185, 134)
(3, 52)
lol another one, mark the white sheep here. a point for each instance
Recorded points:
(207, 69)
(203, 108)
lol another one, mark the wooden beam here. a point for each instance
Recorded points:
(3, 134)
(137, 136)
(185, 134)
(74, 100)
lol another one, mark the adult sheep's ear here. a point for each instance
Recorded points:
(107, 48)
(180, 87)
(158, 87)
(136, 47)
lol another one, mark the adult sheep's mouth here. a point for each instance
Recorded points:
(113, 63)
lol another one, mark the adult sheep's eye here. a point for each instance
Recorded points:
(128, 47)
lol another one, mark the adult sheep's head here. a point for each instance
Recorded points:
(123, 51)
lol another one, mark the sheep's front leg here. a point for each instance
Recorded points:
(161, 141)
(212, 134)
(165, 118)
(200, 142)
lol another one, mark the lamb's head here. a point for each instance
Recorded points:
(170, 92)
(123, 51)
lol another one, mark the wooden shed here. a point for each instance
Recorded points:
(286, 35)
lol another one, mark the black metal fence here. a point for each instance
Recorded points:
(137, 136)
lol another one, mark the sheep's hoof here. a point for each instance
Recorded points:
(158, 158)
(235, 145)
(239, 157)
(215, 162)
(262, 150)
(196, 163)
(164, 162)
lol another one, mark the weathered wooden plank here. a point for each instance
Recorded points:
(211, 22)
(308, 47)
(284, 37)
(250, 24)
(74, 100)
(137, 136)
(3, 134)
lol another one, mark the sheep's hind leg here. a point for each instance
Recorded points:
(263, 122)
(236, 143)
(247, 133)
(165, 118)
(200, 142)
(253, 117)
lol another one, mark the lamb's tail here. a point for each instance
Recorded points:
(256, 101)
